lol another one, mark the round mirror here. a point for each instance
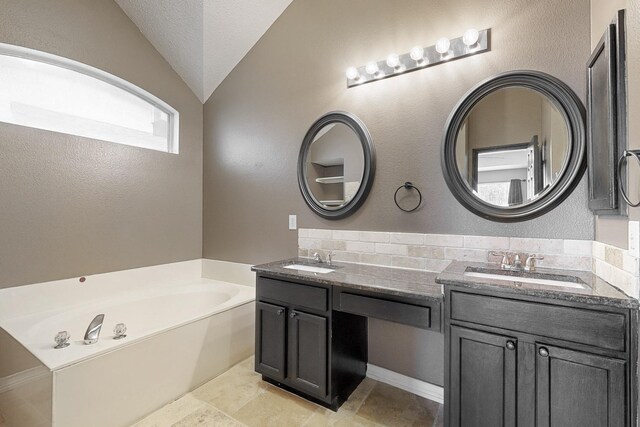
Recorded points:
(336, 165)
(514, 146)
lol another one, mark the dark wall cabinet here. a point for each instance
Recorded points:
(530, 373)
(303, 346)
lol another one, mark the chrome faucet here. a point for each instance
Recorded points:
(513, 262)
(505, 264)
(93, 331)
(530, 263)
(318, 258)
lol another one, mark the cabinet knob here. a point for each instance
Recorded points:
(543, 352)
(293, 314)
(511, 345)
(280, 311)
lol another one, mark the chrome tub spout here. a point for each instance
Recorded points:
(93, 331)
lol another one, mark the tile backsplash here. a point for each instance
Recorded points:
(433, 252)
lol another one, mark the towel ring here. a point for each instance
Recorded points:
(625, 154)
(407, 186)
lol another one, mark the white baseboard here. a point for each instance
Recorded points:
(412, 385)
(16, 380)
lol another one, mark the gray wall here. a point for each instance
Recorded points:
(73, 206)
(256, 119)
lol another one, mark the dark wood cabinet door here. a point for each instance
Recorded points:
(579, 389)
(482, 379)
(308, 353)
(271, 323)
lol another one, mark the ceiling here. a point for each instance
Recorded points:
(203, 40)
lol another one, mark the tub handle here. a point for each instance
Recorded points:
(62, 340)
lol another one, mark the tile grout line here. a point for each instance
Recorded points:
(211, 405)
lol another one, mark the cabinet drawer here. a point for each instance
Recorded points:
(312, 297)
(394, 311)
(597, 328)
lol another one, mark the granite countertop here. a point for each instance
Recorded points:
(385, 280)
(596, 290)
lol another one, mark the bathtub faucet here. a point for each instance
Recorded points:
(93, 331)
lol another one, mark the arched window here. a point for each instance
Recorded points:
(49, 92)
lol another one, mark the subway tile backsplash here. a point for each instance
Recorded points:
(433, 252)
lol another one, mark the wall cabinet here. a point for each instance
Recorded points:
(529, 373)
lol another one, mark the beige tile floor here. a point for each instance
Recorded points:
(27, 405)
(239, 397)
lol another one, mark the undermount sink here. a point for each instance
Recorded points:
(524, 277)
(309, 268)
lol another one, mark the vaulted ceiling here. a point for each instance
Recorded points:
(203, 40)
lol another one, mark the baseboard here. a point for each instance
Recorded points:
(16, 380)
(403, 382)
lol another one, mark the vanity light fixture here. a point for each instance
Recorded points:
(393, 61)
(373, 70)
(472, 42)
(470, 38)
(353, 74)
(442, 47)
(417, 54)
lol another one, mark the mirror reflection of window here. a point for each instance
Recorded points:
(335, 165)
(512, 146)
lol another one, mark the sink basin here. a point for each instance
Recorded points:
(309, 268)
(524, 277)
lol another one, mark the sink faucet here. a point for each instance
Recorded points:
(93, 331)
(513, 262)
(330, 258)
(530, 263)
(505, 264)
(318, 258)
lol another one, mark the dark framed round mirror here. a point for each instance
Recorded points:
(336, 165)
(514, 146)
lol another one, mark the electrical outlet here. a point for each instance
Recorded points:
(293, 222)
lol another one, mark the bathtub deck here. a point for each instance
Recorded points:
(240, 398)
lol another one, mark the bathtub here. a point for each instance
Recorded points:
(182, 330)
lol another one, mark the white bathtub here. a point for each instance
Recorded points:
(183, 330)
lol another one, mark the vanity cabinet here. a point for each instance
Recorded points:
(483, 383)
(302, 346)
(576, 388)
(513, 360)
(272, 346)
(308, 352)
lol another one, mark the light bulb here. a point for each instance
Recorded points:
(352, 73)
(470, 37)
(393, 61)
(372, 68)
(417, 53)
(442, 45)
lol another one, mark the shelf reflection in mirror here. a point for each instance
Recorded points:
(512, 146)
(336, 165)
